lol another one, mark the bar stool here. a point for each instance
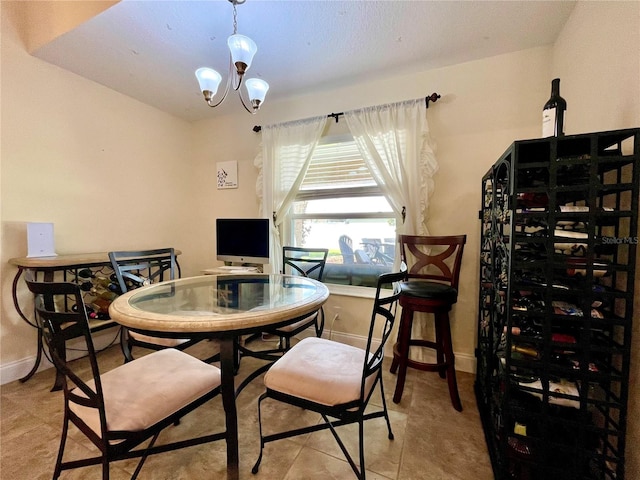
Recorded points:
(432, 287)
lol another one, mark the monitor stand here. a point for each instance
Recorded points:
(230, 269)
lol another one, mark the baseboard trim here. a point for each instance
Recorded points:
(19, 368)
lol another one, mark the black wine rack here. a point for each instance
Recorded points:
(559, 234)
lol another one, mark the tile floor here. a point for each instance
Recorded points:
(432, 440)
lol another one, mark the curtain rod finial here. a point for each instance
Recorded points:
(433, 98)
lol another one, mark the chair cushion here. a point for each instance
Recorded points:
(164, 342)
(291, 327)
(320, 370)
(429, 290)
(140, 393)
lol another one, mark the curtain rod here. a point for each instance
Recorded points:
(431, 98)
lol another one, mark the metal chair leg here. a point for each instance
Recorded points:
(384, 407)
(256, 466)
(125, 346)
(63, 440)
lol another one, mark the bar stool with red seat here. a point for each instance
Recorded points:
(432, 287)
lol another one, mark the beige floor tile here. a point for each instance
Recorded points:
(432, 440)
(313, 465)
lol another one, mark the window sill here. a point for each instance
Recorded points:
(353, 279)
(351, 291)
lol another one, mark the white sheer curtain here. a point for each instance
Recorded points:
(283, 162)
(394, 141)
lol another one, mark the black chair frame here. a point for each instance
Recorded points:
(134, 269)
(307, 262)
(95, 325)
(310, 263)
(57, 326)
(352, 412)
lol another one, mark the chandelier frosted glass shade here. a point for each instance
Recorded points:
(257, 90)
(242, 51)
(209, 81)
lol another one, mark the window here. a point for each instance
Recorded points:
(340, 207)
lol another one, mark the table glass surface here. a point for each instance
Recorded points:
(218, 302)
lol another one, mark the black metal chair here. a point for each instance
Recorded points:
(96, 325)
(121, 409)
(134, 269)
(334, 379)
(308, 262)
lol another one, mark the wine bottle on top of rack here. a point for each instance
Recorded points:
(553, 112)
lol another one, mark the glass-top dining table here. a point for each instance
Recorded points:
(224, 307)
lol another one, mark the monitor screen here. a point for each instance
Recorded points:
(244, 240)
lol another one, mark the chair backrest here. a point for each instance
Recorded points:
(362, 257)
(371, 246)
(384, 313)
(433, 258)
(308, 262)
(61, 314)
(389, 248)
(134, 269)
(346, 249)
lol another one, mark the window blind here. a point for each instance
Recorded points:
(336, 166)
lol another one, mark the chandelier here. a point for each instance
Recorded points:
(241, 52)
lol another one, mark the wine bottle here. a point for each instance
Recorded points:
(553, 112)
(529, 352)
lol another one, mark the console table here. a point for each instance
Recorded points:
(62, 268)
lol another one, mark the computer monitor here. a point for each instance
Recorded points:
(242, 240)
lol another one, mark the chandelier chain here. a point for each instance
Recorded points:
(235, 19)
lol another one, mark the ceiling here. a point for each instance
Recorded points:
(149, 50)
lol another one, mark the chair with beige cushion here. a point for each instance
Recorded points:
(334, 379)
(134, 269)
(120, 410)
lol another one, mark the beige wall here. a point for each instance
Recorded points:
(108, 171)
(44, 20)
(600, 80)
(600, 72)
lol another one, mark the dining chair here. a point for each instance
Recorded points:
(137, 268)
(96, 324)
(119, 410)
(432, 287)
(307, 262)
(334, 379)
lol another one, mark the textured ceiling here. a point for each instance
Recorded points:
(150, 49)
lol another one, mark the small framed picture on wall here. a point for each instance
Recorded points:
(227, 174)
